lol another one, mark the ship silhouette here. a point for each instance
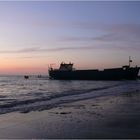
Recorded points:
(67, 72)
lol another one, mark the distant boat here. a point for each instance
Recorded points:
(67, 72)
(39, 76)
(26, 77)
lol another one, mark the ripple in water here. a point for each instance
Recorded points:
(18, 94)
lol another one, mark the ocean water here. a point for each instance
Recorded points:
(36, 94)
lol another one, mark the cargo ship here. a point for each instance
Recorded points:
(67, 72)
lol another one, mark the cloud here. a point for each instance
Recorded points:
(121, 32)
(73, 39)
(39, 50)
(44, 50)
(124, 36)
(28, 50)
(112, 36)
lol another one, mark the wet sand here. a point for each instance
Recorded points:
(103, 117)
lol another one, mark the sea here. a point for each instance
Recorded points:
(37, 94)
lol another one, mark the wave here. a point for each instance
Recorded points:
(39, 101)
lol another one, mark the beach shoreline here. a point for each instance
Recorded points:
(112, 116)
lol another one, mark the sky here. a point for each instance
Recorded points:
(91, 34)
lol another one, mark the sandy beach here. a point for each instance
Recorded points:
(103, 117)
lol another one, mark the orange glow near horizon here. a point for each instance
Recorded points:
(39, 64)
(15, 66)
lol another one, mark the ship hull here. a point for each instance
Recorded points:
(107, 74)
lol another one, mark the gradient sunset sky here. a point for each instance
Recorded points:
(89, 34)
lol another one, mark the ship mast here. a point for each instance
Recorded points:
(130, 60)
